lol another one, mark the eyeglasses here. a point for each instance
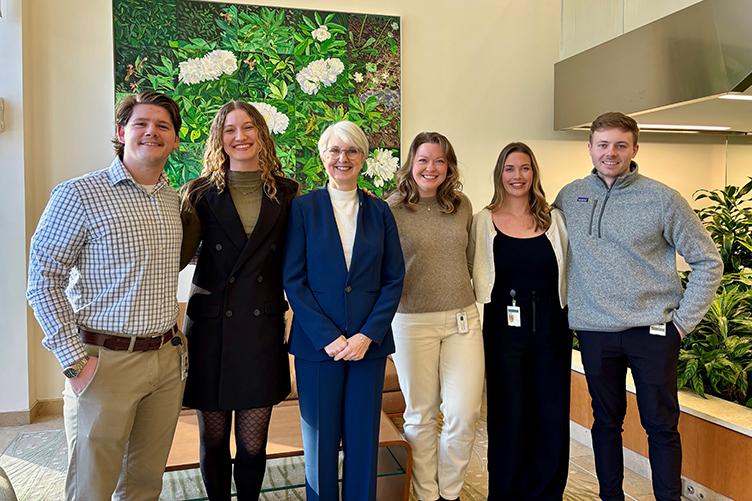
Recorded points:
(350, 153)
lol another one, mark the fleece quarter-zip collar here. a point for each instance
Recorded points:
(621, 181)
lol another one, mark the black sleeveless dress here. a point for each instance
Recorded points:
(528, 374)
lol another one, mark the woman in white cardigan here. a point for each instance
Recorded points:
(519, 252)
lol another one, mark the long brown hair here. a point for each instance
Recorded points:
(448, 193)
(216, 161)
(539, 208)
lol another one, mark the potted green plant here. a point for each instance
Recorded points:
(716, 357)
(729, 221)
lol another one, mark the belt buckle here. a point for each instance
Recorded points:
(132, 344)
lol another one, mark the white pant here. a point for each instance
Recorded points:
(439, 369)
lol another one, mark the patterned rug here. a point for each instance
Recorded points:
(35, 463)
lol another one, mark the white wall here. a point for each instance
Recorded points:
(739, 161)
(69, 112)
(14, 365)
(480, 71)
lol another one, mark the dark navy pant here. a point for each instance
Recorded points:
(653, 359)
(340, 401)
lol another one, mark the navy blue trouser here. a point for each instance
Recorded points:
(340, 401)
(653, 359)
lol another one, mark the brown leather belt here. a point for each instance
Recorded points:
(129, 343)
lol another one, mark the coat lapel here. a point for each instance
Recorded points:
(223, 207)
(267, 220)
(332, 235)
(359, 235)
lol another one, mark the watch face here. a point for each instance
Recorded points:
(70, 372)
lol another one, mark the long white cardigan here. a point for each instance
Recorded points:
(480, 253)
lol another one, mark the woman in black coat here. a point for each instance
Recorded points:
(235, 214)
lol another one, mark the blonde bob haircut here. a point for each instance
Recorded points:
(348, 133)
(216, 161)
(448, 194)
(539, 208)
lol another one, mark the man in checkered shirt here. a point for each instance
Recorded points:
(102, 282)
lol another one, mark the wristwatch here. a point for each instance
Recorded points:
(75, 369)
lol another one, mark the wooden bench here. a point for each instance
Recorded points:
(285, 440)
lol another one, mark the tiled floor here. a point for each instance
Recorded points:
(582, 484)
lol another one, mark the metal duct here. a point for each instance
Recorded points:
(671, 71)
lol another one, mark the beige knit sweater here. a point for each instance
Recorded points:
(434, 245)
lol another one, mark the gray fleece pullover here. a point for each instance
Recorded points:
(622, 255)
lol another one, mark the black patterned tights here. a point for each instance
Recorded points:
(251, 429)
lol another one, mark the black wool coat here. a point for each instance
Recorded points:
(235, 316)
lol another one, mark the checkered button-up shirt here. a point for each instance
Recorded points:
(105, 257)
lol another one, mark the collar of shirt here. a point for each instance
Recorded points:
(117, 173)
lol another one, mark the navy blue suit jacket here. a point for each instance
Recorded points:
(328, 300)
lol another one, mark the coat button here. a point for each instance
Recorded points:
(218, 247)
(273, 246)
(232, 280)
(228, 313)
(259, 278)
(348, 289)
(256, 312)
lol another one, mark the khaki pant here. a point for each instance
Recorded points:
(120, 427)
(442, 369)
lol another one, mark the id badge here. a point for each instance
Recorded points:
(183, 364)
(514, 318)
(463, 327)
(177, 341)
(658, 330)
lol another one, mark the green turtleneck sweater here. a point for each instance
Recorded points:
(245, 190)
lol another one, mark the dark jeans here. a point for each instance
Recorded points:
(653, 359)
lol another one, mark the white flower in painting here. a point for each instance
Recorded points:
(395, 25)
(358, 77)
(223, 60)
(308, 86)
(275, 120)
(320, 71)
(321, 33)
(381, 166)
(210, 67)
(191, 71)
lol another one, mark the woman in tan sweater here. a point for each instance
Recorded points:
(437, 333)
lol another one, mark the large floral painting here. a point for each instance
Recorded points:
(302, 69)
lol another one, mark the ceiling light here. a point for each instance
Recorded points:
(738, 97)
(716, 128)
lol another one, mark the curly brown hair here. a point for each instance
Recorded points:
(216, 161)
(448, 194)
(539, 208)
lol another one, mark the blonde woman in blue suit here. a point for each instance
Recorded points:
(343, 273)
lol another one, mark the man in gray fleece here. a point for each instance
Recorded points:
(626, 301)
